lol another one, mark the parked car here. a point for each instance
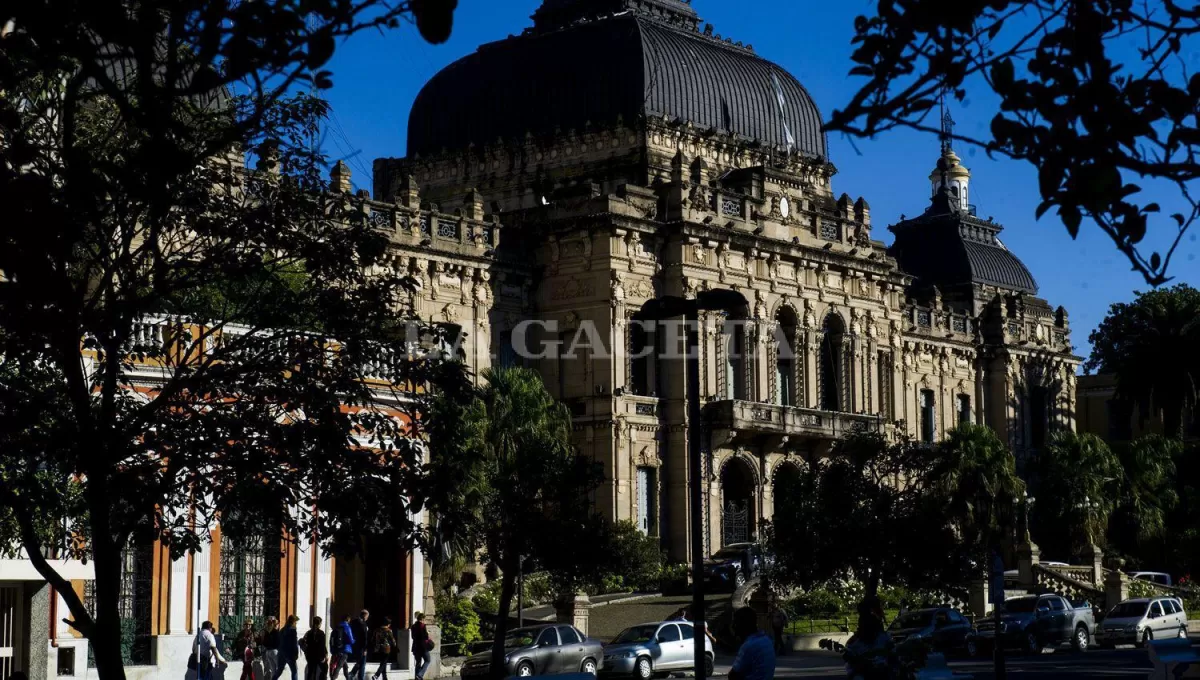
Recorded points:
(648, 649)
(1152, 576)
(1034, 622)
(1141, 620)
(945, 628)
(541, 650)
(731, 566)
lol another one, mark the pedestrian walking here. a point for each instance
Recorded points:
(383, 642)
(341, 647)
(778, 624)
(359, 628)
(755, 659)
(243, 648)
(270, 646)
(207, 654)
(289, 648)
(422, 645)
(316, 652)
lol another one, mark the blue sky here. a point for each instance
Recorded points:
(377, 76)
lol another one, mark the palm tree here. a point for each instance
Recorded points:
(1139, 524)
(1150, 346)
(1077, 479)
(977, 474)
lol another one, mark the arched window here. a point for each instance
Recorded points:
(832, 354)
(786, 373)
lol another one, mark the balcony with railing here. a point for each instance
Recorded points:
(758, 417)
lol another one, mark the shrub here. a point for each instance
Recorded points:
(459, 621)
(487, 598)
(637, 558)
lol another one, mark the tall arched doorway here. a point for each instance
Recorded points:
(738, 502)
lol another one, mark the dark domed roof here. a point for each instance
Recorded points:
(594, 61)
(946, 247)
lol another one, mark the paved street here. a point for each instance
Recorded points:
(1121, 663)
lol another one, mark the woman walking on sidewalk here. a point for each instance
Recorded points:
(421, 646)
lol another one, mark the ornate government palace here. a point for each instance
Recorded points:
(616, 153)
(619, 151)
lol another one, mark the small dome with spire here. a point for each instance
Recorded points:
(954, 175)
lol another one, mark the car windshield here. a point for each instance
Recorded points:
(1020, 605)
(726, 553)
(521, 637)
(913, 620)
(1127, 610)
(636, 634)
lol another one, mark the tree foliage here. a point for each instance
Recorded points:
(874, 511)
(977, 474)
(1150, 345)
(508, 480)
(1090, 112)
(183, 338)
(1149, 491)
(1076, 482)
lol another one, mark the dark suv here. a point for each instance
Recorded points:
(732, 565)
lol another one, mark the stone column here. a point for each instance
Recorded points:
(1116, 585)
(37, 608)
(1028, 556)
(573, 609)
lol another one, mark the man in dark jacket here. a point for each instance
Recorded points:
(359, 629)
(316, 653)
(289, 648)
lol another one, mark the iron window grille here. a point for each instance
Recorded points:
(249, 586)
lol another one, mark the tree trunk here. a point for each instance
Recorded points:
(105, 639)
(508, 581)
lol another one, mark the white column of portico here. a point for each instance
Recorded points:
(305, 607)
(177, 602)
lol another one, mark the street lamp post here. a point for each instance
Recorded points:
(669, 307)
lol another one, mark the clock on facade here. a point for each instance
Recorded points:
(784, 207)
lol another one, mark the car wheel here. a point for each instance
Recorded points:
(1080, 643)
(739, 579)
(1032, 644)
(525, 669)
(708, 665)
(642, 669)
(589, 666)
(972, 649)
(1147, 637)
(1183, 632)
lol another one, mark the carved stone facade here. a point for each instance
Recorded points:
(583, 224)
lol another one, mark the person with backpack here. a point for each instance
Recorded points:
(382, 643)
(341, 647)
(289, 648)
(422, 644)
(316, 654)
